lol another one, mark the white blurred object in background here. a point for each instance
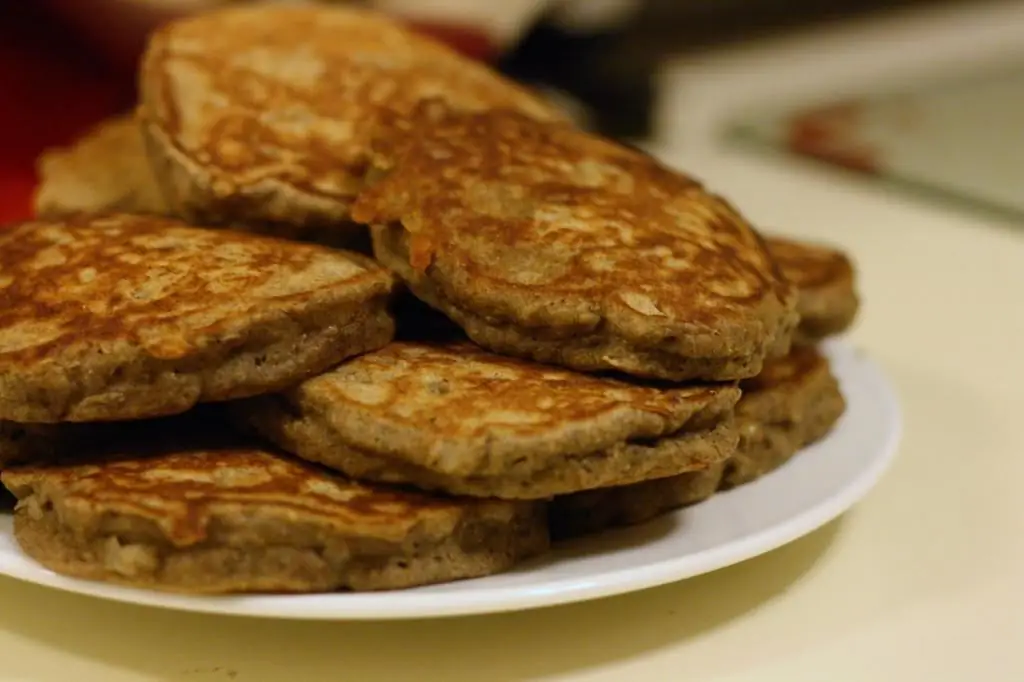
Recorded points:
(507, 21)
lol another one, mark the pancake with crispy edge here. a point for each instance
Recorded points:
(795, 401)
(265, 114)
(456, 418)
(545, 242)
(182, 511)
(825, 279)
(113, 317)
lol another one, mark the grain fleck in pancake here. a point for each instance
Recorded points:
(239, 518)
(545, 242)
(121, 317)
(264, 114)
(105, 170)
(824, 276)
(455, 418)
(792, 403)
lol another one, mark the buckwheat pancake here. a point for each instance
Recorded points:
(794, 402)
(240, 518)
(824, 277)
(592, 511)
(105, 170)
(548, 243)
(453, 417)
(122, 317)
(265, 114)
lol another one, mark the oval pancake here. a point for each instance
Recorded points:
(265, 114)
(452, 417)
(794, 402)
(545, 242)
(106, 170)
(825, 278)
(122, 317)
(240, 518)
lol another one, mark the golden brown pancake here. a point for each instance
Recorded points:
(265, 114)
(229, 517)
(792, 403)
(122, 317)
(824, 277)
(453, 417)
(105, 170)
(548, 243)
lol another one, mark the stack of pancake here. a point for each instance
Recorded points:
(206, 387)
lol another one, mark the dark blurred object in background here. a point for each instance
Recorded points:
(591, 58)
(610, 67)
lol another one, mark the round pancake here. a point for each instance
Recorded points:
(106, 170)
(824, 277)
(795, 401)
(792, 403)
(242, 519)
(265, 114)
(122, 317)
(592, 511)
(546, 242)
(453, 417)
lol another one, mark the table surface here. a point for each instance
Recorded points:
(924, 580)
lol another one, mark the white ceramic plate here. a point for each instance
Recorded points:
(812, 489)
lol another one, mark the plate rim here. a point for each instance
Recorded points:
(412, 604)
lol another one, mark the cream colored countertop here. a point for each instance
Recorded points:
(924, 580)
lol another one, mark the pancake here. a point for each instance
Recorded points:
(265, 114)
(795, 401)
(824, 276)
(455, 418)
(233, 517)
(548, 243)
(122, 317)
(105, 170)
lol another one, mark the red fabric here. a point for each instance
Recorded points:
(53, 88)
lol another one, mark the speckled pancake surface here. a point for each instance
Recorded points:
(109, 317)
(456, 418)
(239, 518)
(265, 114)
(545, 242)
